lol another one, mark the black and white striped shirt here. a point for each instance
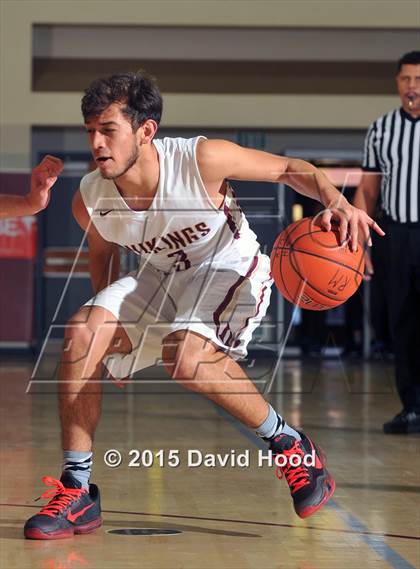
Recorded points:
(392, 147)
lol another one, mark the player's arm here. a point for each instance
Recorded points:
(104, 256)
(220, 159)
(43, 178)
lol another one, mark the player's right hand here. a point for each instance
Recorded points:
(43, 178)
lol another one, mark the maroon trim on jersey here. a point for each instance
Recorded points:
(228, 298)
(231, 222)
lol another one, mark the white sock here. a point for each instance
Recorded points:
(274, 425)
(79, 465)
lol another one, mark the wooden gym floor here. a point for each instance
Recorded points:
(229, 517)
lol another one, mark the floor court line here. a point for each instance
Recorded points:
(246, 522)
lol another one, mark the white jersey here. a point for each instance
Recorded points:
(182, 228)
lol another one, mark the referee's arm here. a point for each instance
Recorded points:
(367, 192)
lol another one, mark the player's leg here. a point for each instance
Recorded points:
(122, 327)
(202, 367)
(211, 328)
(91, 334)
(75, 506)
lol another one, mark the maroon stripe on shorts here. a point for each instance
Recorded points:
(224, 332)
(257, 311)
(228, 298)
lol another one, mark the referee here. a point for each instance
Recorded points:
(391, 169)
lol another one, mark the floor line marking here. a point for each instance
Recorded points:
(230, 520)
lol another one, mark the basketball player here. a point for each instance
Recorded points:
(43, 178)
(201, 288)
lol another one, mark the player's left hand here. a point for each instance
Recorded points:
(354, 223)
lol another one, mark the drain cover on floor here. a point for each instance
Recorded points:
(144, 531)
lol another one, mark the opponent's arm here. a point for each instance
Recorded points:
(220, 159)
(43, 177)
(14, 206)
(104, 256)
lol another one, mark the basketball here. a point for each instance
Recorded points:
(311, 269)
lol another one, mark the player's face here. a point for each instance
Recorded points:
(113, 144)
(408, 85)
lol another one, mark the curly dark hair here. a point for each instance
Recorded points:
(410, 58)
(137, 91)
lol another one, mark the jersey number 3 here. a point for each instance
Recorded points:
(181, 261)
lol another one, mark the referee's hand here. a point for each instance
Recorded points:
(354, 224)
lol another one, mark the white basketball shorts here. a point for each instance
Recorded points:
(220, 304)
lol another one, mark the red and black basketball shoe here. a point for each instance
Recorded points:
(310, 486)
(71, 510)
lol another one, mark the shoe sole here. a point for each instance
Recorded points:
(407, 431)
(35, 533)
(329, 489)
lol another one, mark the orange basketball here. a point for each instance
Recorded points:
(311, 269)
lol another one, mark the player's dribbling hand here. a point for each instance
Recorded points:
(352, 221)
(43, 178)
